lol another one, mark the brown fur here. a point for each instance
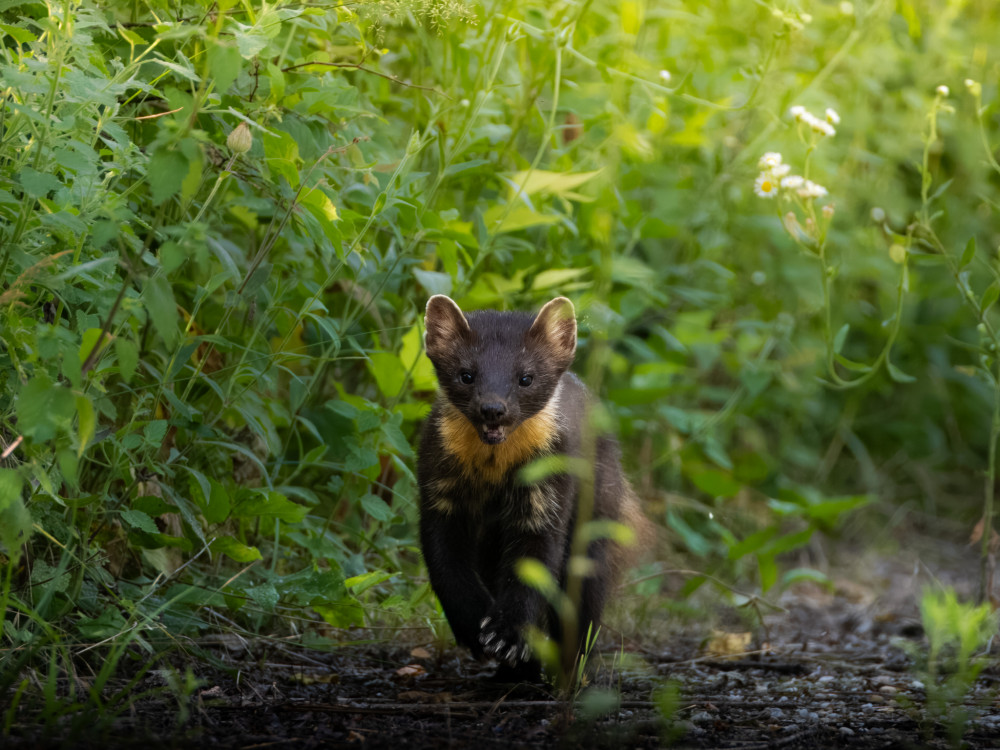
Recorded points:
(505, 399)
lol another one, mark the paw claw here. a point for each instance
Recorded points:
(525, 652)
(484, 622)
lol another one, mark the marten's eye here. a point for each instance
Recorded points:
(467, 377)
(524, 381)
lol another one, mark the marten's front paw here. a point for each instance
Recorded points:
(502, 641)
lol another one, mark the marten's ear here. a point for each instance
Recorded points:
(555, 329)
(445, 325)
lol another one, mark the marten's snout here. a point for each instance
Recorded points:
(493, 411)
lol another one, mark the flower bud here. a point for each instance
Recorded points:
(975, 87)
(942, 90)
(828, 211)
(897, 253)
(240, 140)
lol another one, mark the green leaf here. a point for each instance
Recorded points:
(753, 543)
(990, 297)
(128, 357)
(235, 549)
(716, 483)
(106, 625)
(44, 409)
(838, 340)
(159, 299)
(968, 253)
(268, 504)
(768, 571)
(11, 486)
(830, 510)
(377, 508)
(534, 574)
(799, 575)
(556, 277)
(519, 217)
(265, 595)
(166, 172)
(86, 423)
(36, 184)
(388, 371)
(154, 432)
(360, 584)
(851, 364)
(139, 520)
(898, 375)
(224, 63)
(21, 36)
(554, 183)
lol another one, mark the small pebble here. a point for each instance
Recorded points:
(888, 690)
(847, 731)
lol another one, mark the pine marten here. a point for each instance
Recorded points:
(505, 398)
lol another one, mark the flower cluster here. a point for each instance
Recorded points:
(815, 124)
(774, 177)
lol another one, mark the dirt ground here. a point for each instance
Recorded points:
(829, 671)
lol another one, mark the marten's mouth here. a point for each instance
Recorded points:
(492, 434)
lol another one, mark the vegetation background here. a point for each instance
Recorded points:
(220, 222)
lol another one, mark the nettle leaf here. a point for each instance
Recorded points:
(36, 184)
(139, 520)
(166, 172)
(377, 508)
(128, 357)
(265, 596)
(159, 299)
(44, 408)
(225, 63)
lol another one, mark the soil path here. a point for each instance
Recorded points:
(833, 670)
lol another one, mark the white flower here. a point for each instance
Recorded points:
(832, 117)
(779, 171)
(797, 112)
(878, 215)
(817, 125)
(942, 90)
(975, 88)
(765, 186)
(811, 190)
(792, 182)
(665, 76)
(770, 160)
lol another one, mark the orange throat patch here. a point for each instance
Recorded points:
(491, 463)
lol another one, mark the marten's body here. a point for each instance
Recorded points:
(506, 398)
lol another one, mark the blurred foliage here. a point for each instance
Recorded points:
(219, 223)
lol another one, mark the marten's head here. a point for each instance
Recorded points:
(499, 368)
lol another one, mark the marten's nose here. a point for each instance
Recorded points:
(493, 411)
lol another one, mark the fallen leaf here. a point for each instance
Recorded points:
(420, 653)
(727, 645)
(411, 670)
